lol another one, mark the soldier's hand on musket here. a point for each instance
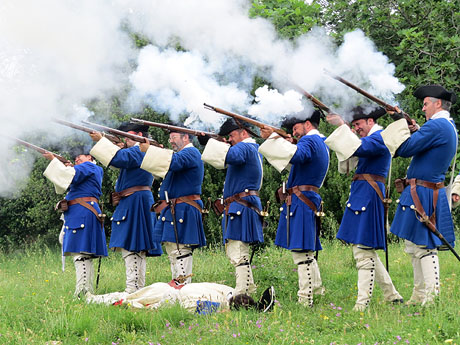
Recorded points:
(414, 126)
(145, 145)
(455, 198)
(266, 131)
(96, 136)
(48, 155)
(203, 138)
(334, 120)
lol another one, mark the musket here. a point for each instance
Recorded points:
(238, 117)
(179, 129)
(39, 149)
(134, 137)
(432, 227)
(388, 107)
(111, 137)
(386, 206)
(314, 100)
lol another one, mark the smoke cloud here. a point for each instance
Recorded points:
(58, 55)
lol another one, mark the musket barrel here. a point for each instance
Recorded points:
(112, 138)
(246, 119)
(114, 131)
(314, 100)
(388, 107)
(38, 149)
(176, 128)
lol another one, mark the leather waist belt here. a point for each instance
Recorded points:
(376, 178)
(297, 190)
(372, 180)
(117, 196)
(63, 205)
(85, 199)
(239, 199)
(188, 199)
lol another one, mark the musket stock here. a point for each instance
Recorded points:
(388, 107)
(135, 137)
(238, 117)
(172, 128)
(38, 149)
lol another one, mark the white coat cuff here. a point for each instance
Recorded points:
(455, 190)
(278, 151)
(395, 134)
(60, 175)
(104, 151)
(215, 153)
(344, 142)
(348, 165)
(157, 161)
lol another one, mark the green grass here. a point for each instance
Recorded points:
(37, 304)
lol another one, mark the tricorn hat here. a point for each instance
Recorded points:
(436, 91)
(230, 125)
(78, 150)
(360, 112)
(135, 127)
(289, 122)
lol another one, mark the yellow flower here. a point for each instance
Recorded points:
(47, 281)
(449, 341)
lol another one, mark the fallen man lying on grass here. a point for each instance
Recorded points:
(200, 298)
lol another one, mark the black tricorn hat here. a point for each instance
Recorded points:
(289, 122)
(135, 127)
(78, 150)
(230, 125)
(436, 91)
(360, 112)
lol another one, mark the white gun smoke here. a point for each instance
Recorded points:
(57, 55)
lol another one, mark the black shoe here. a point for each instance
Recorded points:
(397, 301)
(267, 300)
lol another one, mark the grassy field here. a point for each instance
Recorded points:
(37, 305)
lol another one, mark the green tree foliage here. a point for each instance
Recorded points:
(421, 38)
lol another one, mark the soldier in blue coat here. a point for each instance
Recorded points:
(298, 230)
(83, 230)
(242, 221)
(363, 222)
(132, 221)
(432, 149)
(179, 225)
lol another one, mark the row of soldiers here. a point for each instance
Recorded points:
(176, 220)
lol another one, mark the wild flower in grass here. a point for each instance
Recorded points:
(448, 341)
(167, 325)
(86, 339)
(47, 281)
(236, 335)
(367, 325)
(406, 341)
(281, 330)
(181, 323)
(338, 314)
(398, 337)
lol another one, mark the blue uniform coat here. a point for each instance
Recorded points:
(363, 220)
(432, 148)
(244, 172)
(83, 231)
(132, 221)
(309, 167)
(184, 177)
